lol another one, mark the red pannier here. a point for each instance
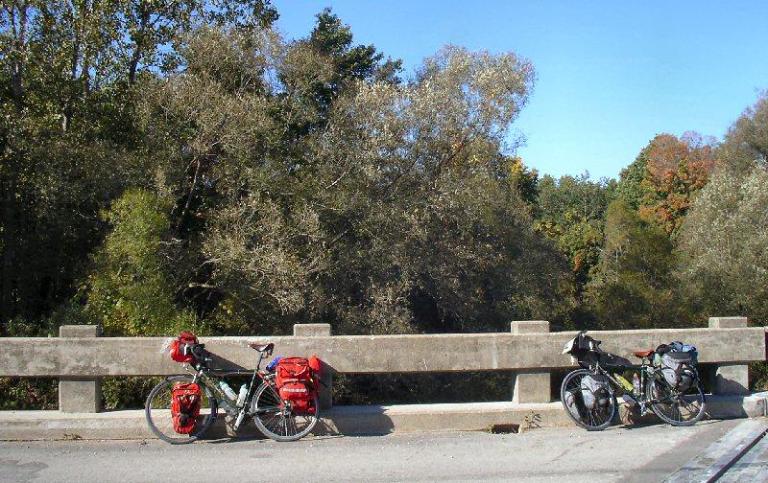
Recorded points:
(180, 347)
(296, 383)
(185, 406)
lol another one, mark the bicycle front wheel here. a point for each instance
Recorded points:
(595, 418)
(276, 419)
(675, 407)
(160, 420)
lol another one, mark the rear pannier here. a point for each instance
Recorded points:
(296, 383)
(677, 362)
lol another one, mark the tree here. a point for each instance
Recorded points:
(665, 177)
(724, 245)
(634, 285)
(129, 290)
(571, 211)
(389, 215)
(746, 143)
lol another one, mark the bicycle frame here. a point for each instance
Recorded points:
(209, 378)
(645, 371)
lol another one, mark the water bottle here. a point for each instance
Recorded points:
(227, 390)
(636, 383)
(624, 383)
(242, 395)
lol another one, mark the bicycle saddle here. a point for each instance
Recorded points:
(262, 347)
(643, 352)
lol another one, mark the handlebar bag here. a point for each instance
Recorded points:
(181, 347)
(185, 406)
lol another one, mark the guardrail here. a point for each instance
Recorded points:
(79, 357)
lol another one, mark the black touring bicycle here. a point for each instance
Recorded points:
(666, 382)
(281, 399)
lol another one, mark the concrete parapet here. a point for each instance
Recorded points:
(531, 386)
(77, 394)
(727, 322)
(312, 330)
(364, 354)
(730, 378)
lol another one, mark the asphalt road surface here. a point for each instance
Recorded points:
(645, 454)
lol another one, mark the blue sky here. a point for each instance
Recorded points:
(610, 75)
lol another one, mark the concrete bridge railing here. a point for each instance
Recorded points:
(79, 357)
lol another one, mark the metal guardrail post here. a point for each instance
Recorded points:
(730, 378)
(319, 330)
(76, 394)
(531, 386)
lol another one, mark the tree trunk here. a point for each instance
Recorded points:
(138, 39)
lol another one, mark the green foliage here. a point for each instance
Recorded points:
(126, 392)
(129, 290)
(634, 285)
(746, 143)
(724, 245)
(571, 211)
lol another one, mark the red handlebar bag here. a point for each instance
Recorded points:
(178, 347)
(185, 406)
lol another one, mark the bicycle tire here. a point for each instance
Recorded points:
(569, 395)
(269, 414)
(159, 418)
(656, 407)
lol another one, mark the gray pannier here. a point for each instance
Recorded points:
(677, 369)
(594, 391)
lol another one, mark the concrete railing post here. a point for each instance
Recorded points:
(78, 394)
(730, 378)
(531, 386)
(319, 330)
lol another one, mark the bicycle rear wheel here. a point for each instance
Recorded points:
(275, 417)
(674, 407)
(158, 412)
(598, 417)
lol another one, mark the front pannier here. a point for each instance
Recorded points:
(594, 391)
(296, 383)
(185, 406)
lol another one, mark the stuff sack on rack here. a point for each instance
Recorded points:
(185, 406)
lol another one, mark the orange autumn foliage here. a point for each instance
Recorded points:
(677, 168)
